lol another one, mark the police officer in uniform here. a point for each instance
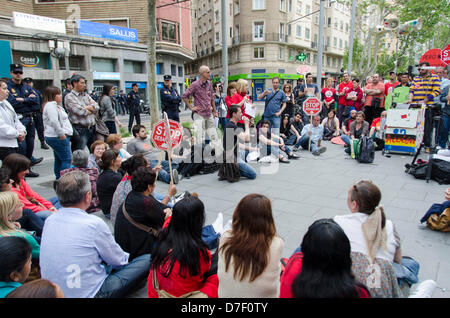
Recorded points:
(170, 99)
(133, 105)
(38, 122)
(25, 103)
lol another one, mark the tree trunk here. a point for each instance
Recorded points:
(151, 58)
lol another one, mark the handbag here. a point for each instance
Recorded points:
(140, 226)
(229, 169)
(100, 127)
(163, 294)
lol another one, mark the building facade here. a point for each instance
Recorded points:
(97, 58)
(264, 38)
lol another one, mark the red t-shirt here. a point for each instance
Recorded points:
(236, 99)
(359, 95)
(328, 93)
(341, 87)
(388, 87)
(228, 103)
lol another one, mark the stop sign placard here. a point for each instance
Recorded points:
(312, 106)
(303, 69)
(160, 138)
(445, 55)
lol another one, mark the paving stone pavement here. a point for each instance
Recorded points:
(312, 188)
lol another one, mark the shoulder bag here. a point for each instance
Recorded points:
(163, 294)
(140, 226)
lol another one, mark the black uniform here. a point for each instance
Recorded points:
(25, 110)
(170, 100)
(121, 99)
(133, 104)
(38, 121)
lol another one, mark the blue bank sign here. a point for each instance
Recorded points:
(107, 31)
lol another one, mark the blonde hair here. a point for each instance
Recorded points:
(329, 80)
(240, 85)
(8, 203)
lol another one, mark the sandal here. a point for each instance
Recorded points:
(283, 160)
(293, 156)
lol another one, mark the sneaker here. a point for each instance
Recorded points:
(181, 196)
(218, 224)
(32, 174)
(44, 145)
(424, 290)
(293, 156)
(176, 179)
(320, 151)
(295, 149)
(36, 161)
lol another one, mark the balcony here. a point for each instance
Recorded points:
(314, 45)
(268, 37)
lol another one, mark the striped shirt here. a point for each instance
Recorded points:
(75, 104)
(425, 88)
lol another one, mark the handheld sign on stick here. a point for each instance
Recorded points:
(311, 106)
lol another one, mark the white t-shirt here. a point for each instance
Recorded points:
(352, 226)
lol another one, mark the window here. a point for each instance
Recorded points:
(334, 42)
(299, 31)
(328, 61)
(346, 27)
(236, 7)
(289, 27)
(335, 23)
(169, 31)
(341, 26)
(258, 31)
(103, 65)
(328, 41)
(334, 62)
(173, 69)
(258, 52)
(217, 37)
(283, 5)
(159, 68)
(340, 43)
(231, 9)
(291, 54)
(308, 57)
(299, 7)
(346, 43)
(231, 32)
(281, 32)
(258, 5)
(308, 9)
(290, 5)
(236, 55)
(329, 22)
(133, 67)
(315, 38)
(281, 55)
(316, 19)
(217, 17)
(180, 71)
(307, 33)
(76, 63)
(314, 58)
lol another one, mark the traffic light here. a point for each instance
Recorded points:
(187, 82)
(301, 56)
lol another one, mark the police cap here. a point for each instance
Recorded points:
(16, 68)
(167, 77)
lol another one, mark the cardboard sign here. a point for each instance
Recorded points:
(312, 106)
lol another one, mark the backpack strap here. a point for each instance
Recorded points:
(144, 228)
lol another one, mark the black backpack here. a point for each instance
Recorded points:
(367, 150)
(440, 171)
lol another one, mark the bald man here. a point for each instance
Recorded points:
(204, 109)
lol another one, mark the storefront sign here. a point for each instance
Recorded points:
(107, 76)
(107, 31)
(30, 21)
(29, 61)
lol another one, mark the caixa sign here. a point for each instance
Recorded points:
(29, 61)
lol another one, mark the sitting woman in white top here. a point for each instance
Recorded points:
(375, 244)
(57, 129)
(249, 254)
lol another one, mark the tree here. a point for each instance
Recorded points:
(151, 58)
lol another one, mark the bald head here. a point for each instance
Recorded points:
(204, 73)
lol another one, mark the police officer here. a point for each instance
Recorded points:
(25, 102)
(121, 98)
(133, 105)
(170, 99)
(38, 122)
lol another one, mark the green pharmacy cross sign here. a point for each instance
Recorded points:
(301, 56)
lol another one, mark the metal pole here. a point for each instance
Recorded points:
(352, 37)
(151, 62)
(320, 45)
(224, 45)
(66, 61)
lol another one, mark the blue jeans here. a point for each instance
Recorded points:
(444, 131)
(62, 154)
(345, 139)
(43, 214)
(408, 270)
(246, 170)
(223, 121)
(164, 174)
(55, 202)
(111, 127)
(159, 197)
(304, 142)
(31, 222)
(126, 280)
(26, 147)
(86, 137)
(275, 123)
(290, 140)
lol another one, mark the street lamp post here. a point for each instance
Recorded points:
(320, 45)
(352, 37)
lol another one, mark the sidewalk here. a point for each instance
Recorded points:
(316, 187)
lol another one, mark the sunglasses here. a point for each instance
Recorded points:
(18, 73)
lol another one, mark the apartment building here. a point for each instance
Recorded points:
(99, 59)
(264, 37)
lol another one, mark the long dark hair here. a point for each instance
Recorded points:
(326, 269)
(16, 163)
(14, 254)
(136, 161)
(182, 240)
(105, 92)
(252, 233)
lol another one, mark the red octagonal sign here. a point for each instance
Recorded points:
(445, 56)
(312, 106)
(161, 139)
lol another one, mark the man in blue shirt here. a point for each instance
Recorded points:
(275, 104)
(78, 251)
(25, 103)
(313, 132)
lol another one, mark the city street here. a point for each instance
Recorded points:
(312, 188)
